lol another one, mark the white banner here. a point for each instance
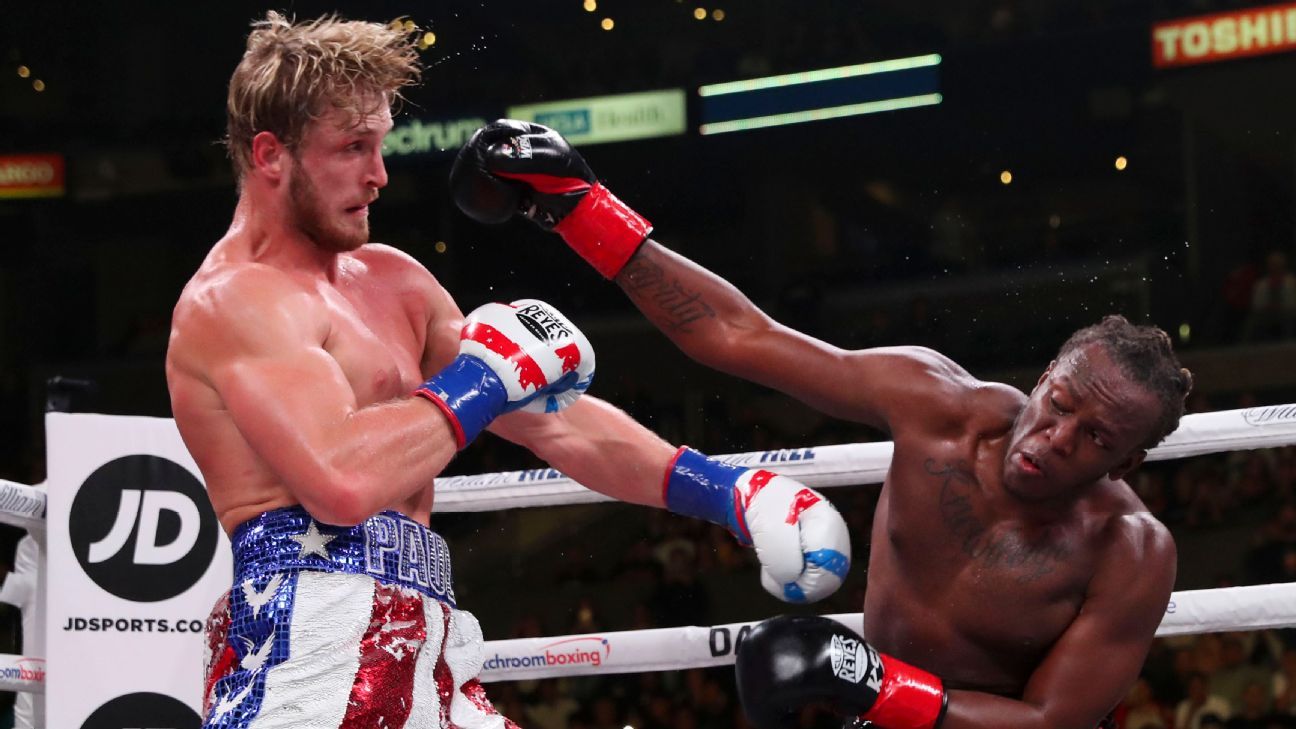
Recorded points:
(131, 591)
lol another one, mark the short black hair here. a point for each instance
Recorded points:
(1146, 357)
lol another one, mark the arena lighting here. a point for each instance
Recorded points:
(797, 117)
(700, 13)
(607, 24)
(1005, 177)
(717, 15)
(23, 72)
(828, 93)
(38, 85)
(590, 6)
(1121, 162)
(826, 74)
(440, 246)
(428, 40)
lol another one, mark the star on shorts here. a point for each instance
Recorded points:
(313, 542)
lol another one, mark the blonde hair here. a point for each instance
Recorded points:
(294, 73)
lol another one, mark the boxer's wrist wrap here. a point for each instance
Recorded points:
(469, 393)
(910, 698)
(604, 230)
(703, 488)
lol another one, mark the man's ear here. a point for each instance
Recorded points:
(269, 156)
(1125, 467)
(1047, 370)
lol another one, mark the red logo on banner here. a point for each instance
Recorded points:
(1222, 36)
(31, 175)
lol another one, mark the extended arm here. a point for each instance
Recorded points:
(510, 165)
(800, 539)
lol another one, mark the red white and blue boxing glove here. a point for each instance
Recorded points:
(513, 166)
(788, 662)
(801, 540)
(519, 356)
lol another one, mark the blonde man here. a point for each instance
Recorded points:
(296, 356)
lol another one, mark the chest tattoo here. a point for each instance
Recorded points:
(647, 283)
(1000, 546)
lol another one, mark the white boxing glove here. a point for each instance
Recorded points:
(801, 540)
(523, 355)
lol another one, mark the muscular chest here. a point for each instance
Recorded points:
(955, 570)
(375, 343)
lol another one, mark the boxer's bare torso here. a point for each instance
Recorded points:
(380, 316)
(964, 581)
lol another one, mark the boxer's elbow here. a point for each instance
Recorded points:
(336, 497)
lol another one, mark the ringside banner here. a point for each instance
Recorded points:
(640, 115)
(141, 560)
(1224, 36)
(31, 175)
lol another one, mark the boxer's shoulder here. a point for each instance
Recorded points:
(233, 307)
(957, 401)
(397, 272)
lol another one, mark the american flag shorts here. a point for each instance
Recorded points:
(343, 627)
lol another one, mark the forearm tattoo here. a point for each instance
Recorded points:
(998, 546)
(668, 303)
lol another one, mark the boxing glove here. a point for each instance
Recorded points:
(551, 185)
(788, 662)
(519, 356)
(801, 541)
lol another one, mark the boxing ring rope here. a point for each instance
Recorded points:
(1189, 612)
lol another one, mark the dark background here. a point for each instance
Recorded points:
(882, 229)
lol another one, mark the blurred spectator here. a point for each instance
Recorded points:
(1253, 712)
(553, 709)
(1250, 476)
(681, 599)
(584, 618)
(1199, 703)
(1201, 491)
(1273, 302)
(1236, 674)
(1235, 296)
(1284, 684)
(1211, 721)
(605, 713)
(1140, 709)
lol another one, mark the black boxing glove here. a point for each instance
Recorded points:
(479, 194)
(555, 187)
(788, 662)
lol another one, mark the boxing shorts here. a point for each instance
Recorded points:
(330, 626)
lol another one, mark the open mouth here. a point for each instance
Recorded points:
(1029, 464)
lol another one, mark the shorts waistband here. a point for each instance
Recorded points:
(389, 547)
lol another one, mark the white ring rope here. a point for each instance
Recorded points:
(1189, 612)
(853, 464)
(671, 649)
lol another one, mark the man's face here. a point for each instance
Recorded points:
(1084, 420)
(337, 171)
